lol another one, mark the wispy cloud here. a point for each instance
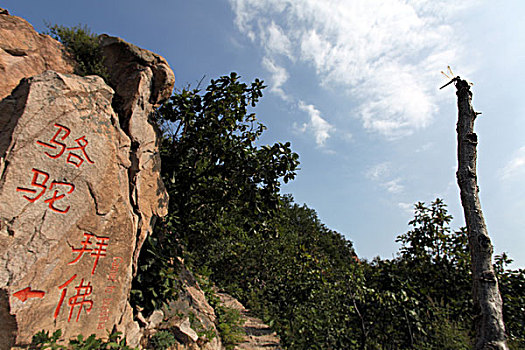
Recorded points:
(275, 41)
(379, 171)
(516, 166)
(406, 207)
(386, 54)
(425, 147)
(382, 174)
(279, 76)
(393, 186)
(319, 127)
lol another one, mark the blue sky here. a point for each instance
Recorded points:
(354, 86)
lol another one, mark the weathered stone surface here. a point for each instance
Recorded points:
(67, 227)
(155, 319)
(24, 53)
(142, 80)
(185, 332)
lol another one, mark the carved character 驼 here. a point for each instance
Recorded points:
(39, 182)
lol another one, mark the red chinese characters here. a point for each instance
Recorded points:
(60, 148)
(79, 299)
(75, 155)
(75, 297)
(39, 181)
(97, 252)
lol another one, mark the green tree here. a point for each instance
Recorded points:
(436, 259)
(421, 299)
(221, 184)
(212, 166)
(299, 280)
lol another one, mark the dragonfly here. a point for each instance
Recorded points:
(450, 75)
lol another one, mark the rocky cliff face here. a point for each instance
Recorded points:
(79, 184)
(24, 53)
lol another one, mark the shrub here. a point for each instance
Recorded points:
(42, 340)
(162, 340)
(84, 46)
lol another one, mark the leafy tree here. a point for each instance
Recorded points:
(421, 298)
(297, 280)
(221, 184)
(437, 259)
(212, 166)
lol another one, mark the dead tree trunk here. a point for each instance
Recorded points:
(490, 329)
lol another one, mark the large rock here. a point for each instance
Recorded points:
(142, 80)
(24, 53)
(68, 230)
(80, 185)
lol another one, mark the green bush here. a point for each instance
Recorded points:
(162, 340)
(229, 325)
(42, 340)
(446, 334)
(157, 281)
(84, 46)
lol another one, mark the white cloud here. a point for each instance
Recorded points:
(406, 207)
(386, 54)
(320, 128)
(276, 42)
(425, 147)
(394, 186)
(278, 78)
(379, 172)
(382, 174)
(516, 166)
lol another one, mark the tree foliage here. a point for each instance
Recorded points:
(512, 287)
(221, 184)
(212, 166)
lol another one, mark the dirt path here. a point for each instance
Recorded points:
(258, 336)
